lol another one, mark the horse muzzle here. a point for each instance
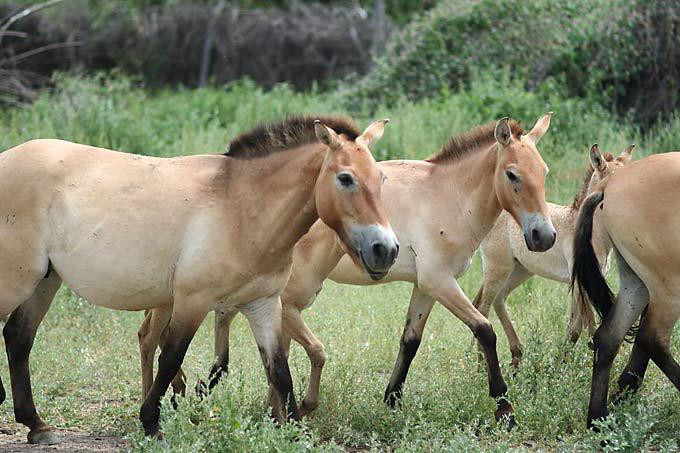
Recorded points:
(377, 247)
(539, 232)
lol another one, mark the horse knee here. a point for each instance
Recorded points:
(18, 340)
(485, 335)
(317, 355)
(605, 347)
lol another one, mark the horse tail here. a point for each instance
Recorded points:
(586, 276)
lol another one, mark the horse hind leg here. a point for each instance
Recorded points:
(518, 276)
(19, 333)
(633, 297)
(654, 338)
(149, 337)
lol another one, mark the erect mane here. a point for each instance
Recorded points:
(583, 191)
(461, 145)
(292, 132)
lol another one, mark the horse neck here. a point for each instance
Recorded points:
(284, 205)
(471, 184)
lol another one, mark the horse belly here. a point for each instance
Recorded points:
(122, 264)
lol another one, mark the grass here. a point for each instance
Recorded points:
(85, 361)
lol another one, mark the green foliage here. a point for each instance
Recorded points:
(620, 53)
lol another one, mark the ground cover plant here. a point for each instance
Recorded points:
(85, 362)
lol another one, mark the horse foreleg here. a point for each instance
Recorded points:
(296, 328)
(223, 319)
(419, 309)
(449, 294)
(264, 316)
(181, 331)
(19, 333)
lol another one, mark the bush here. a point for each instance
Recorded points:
(163, 44)
(624, 54)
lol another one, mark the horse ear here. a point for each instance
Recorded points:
(373, 132)
(503, 133)
(326, 135)
(626, 155)
(540, 128)
(597, 161)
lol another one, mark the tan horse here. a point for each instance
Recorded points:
(507, 263)
(183, 235)
(441, 209)
(637, 209)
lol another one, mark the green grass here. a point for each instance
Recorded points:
(85, 362)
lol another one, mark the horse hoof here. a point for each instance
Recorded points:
(43, 437)
(201, 389)
(306, 410)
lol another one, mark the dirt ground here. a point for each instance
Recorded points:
(12, 440)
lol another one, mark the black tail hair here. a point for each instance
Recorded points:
(586, 274)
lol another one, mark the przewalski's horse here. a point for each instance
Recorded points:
(507, 263)
(441, 209)
(637, 209)
(184, 235)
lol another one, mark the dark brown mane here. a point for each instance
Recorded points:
(583, 191)
(462, 144)
(294, 131)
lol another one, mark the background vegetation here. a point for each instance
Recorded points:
(609, 72)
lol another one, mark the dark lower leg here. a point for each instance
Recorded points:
(419, 310)
(498, 389)
(220, 368)
(606, 348)
(169, 362)
(282, 382)
(19, 333)
(632, 376)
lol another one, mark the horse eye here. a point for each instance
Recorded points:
(346, 180)
(512, 176)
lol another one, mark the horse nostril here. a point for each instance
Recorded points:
(379, 251)
(535, 235)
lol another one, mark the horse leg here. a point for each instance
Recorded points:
(178, 383)
(632, 375)
(19, 333)
(181, 330)
(449, 294)
(272, 397)
(297, 329)
(264, 316)
(656, 336)
(518, 276)
(223, 319)
(419, 309)
(149, 337)
(631, 301)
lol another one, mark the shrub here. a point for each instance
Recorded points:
(624, 54)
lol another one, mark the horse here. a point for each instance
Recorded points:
(507, 263)
(182, 235)
(635, 209)
(440, 209)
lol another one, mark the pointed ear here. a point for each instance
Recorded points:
(540, 128)
(373, 132)
(326, 135)
(597, 161)
(503, 133)
(626, 155)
